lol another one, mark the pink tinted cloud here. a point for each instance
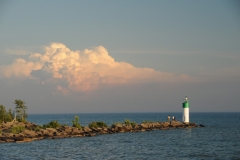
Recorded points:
(86, 70)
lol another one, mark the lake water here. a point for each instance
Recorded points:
(220, 139)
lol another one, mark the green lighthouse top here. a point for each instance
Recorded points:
(185, 103)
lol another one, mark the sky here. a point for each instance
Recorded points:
(120, 56)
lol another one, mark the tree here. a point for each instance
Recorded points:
(2, 113)
(21, 109)
(11, 114)
(5, 116)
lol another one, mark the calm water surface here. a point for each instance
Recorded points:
(220, 139)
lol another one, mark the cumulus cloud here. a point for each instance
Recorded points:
(20, 68)
(84, 70)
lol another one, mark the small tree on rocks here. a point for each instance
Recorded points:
(76, 123)
(21, 109)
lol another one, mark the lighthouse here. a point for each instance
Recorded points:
(185, 110)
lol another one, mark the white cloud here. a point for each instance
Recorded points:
(19, 68)
(85, 70)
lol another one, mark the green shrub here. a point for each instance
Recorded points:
(133, 124)
(52, 124)
(97, 124)
(76, 123)
(37, 128)
(128, 123)
(93, 125)
(17, 129)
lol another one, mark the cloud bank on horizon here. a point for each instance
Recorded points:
(81, 71)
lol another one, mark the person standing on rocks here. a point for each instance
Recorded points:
(173, 118)
(168, 118)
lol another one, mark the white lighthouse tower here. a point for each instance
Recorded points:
(185, 110)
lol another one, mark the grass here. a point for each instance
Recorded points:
(17, 129)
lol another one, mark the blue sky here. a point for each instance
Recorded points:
(188, 47)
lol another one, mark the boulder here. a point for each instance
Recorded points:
(76, 131)
(120, 128)
(18, 137)
(51, 130)
(11, 135)
(165, 124)
(96, 129)
(176, 123)
(150, 125)
(136, 127)
(29, 134)
(110, 130)
(39, 134)
(127, 128)
(62, 134)
(156, 124)
(105, 128)
(68, 130)
(44, 132)
(144, 125)
(119, 125)
(87, 129)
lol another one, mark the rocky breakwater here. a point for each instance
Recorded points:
(26, 132)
